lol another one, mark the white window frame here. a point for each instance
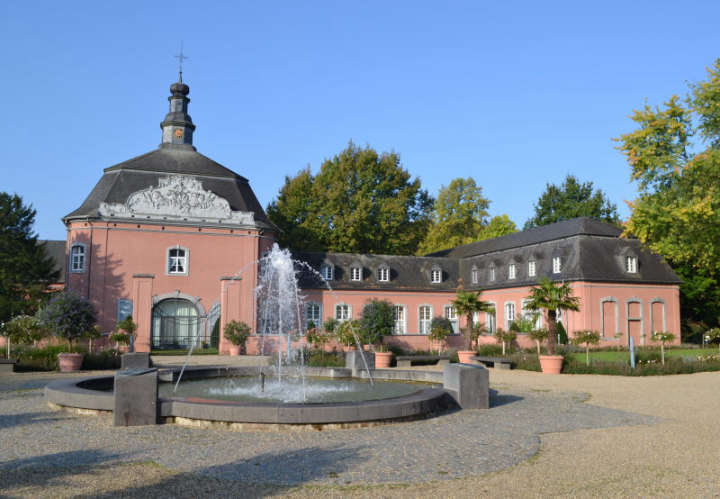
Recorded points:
(532, 268)
(399, 325)
(356, 273)
(185, 260)
(631, 264)
(492, 273)
(383, 274)
(512, 271)
(80, 268)
(436, 276)
(424, 324)
(450, 313)
(557, 264)
(509, 306)
(475, 275)
(526, 313)
(491, 319)
(327, 271)
(342, 316)
(318, 321)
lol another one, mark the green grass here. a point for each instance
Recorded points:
(624, 356)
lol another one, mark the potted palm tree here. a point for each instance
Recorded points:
(467, 303)
(549, 298)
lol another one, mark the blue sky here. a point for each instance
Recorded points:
(514, 94)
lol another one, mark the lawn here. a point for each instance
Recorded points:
(624, 356)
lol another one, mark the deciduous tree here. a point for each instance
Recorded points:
(570, 200)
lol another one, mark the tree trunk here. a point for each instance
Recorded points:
(552, 334)
(662, 353)
(587, 354)
(469, 331)
(537, 342)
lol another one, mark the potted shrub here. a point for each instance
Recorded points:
(550, 298)
(467, 303)
(345, 333)
(587, 338)
(236, 332)
(124, 333)
(440, 328)
(376, 323)
(68, 317)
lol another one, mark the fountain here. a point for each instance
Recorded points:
(289, 392)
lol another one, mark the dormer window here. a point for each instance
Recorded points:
(492, 273)
(475, 275)
(356, 274)
(326, 271)
(531, 269)
(77, 258)
(177, 261)
(435, 275)
(631, 264)
(556, 265)
(383, 274)
(512, 270)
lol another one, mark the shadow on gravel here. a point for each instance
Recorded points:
(27, 418)
(49, 469)
(276, 471)
(496, 399)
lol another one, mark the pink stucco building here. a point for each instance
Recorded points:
(173, 238)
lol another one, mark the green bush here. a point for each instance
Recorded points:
(106, 359)
(493, 350)
(319, 358)
(649, 368)
(376, 321)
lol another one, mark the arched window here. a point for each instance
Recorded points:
(77, 258)
(175, 324)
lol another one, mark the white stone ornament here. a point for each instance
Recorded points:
(177, 197)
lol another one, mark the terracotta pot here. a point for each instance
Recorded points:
(70, 362)
(551, 364)
(234, 350)
(349, 348)
(382, 359)
(465, 356)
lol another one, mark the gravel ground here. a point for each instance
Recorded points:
(635, 436)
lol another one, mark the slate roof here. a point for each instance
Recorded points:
(56, 251)
(407, 273)
(123, 179)
(589, 250)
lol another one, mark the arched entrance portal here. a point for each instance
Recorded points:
(175, 324)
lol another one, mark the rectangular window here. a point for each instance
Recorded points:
(342, 312)
(509, 313)
(557, 265)
(177, 261)
(531, 268)
(475, 276)
(327, 272)
(399, 319)
(436, 276)
(491, 321)
(313, 314)
(492, 273)
(511, 271)
(356, 274)
(630, 264)
(424, 318)
(383, 274)
(451, 315)
(532, 314)
(77, 258)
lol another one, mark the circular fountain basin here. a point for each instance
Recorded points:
(329, 403)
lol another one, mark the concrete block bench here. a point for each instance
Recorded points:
(7, 365)
(407, 360)
(496, 362)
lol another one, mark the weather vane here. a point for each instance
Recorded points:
(180, 57)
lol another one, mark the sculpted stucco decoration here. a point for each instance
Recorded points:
(177, 197)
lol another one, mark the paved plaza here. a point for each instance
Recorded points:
(558, 435)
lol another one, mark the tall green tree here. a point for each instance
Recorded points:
(360, 201)
(499, 225)
(459, 215)
(25, 267)
(677, 213)
(572, 199)
(549, 298)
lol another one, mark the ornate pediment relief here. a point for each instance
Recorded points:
(177, 198)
